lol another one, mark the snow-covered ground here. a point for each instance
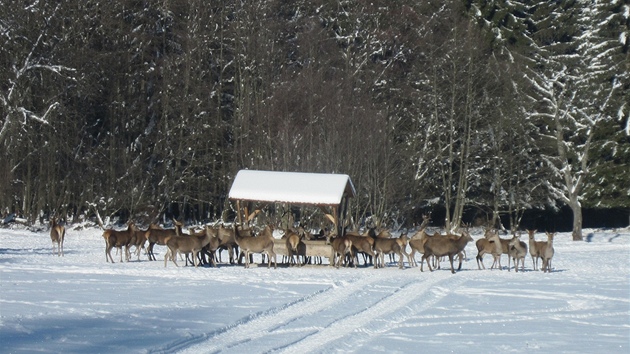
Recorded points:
(80, 303)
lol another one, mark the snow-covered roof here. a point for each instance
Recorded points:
(291, 187)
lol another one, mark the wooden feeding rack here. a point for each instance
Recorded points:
(329, 192)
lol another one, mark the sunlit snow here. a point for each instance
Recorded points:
(80, 303)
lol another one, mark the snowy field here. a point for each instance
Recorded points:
(81, 304)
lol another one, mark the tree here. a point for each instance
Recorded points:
(572, 87)
(25, 56)
(455, 85)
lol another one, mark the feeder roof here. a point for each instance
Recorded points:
(291, 187)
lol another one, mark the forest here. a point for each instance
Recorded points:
(468, 108)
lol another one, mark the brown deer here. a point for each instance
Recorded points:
(119, 239)
(547, 253)
(416, 242)
(518, 251)
(293, 241)
(227, 241)
(157, 235)
(396, 246)
(57, 234)
(449, 245)
(341, 246)
(212, 247)
(535, 248)
(138, 240)
(361, 244)
(186, 244)
(490, 243)
(262, 243)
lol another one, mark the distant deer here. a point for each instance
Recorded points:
(518, 251)
(535, 248)
(57, 234)
(547, 253)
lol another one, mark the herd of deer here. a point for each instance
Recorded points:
(205, 245)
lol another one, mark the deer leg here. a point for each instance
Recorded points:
(450, 259)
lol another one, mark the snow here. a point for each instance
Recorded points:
(291, 187)
(80, 303)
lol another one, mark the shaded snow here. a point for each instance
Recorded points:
(80, 303)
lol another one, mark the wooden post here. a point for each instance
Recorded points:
(343, 213)
(335, 214)
(238, 212)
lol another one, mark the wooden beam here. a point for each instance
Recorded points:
(238, 212)
(251, 216)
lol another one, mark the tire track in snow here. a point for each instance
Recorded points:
(364, 320)
(261, 324)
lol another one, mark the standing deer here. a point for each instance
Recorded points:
(518, 251)
(547, 253)
(57, 234)
(262, 243)
(491, 244)
(119, 239)
(340, 246)
(293, 241)
(390, 246)
(157, 235)
(535, 248)
(449, 245)
(186, 244)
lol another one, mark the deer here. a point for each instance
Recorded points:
(193, 232)
(186, 244)
(119, 239)
(416, 242)
(157, 235)
(293, 241)
(341, 246)
(535, 248)
(138, 240)
(227, 241)
(490, 243)
(547, 253)
(517, 251)
(211, 248)
(505, 249)
(382, 234)
(262, 243)
(364, 244)
(57, 234)
(445, 246)
(397, 246)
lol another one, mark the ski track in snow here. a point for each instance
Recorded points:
(317, 335)
(401, 306)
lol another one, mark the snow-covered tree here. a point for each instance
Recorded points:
(572, 82)
(25, 55)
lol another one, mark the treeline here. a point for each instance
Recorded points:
(147, 108)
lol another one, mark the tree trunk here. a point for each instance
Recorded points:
(576, 207)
